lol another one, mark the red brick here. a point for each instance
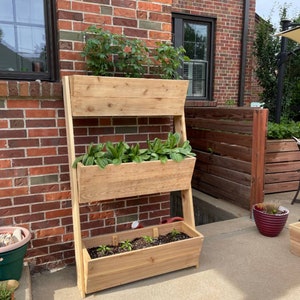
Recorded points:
(58, 213)
(49, 232)
(3, 89)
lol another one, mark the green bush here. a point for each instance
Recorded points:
(110, 54)
(284, 130)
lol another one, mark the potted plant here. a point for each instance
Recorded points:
(13, 246)
(7, 289)
(270, 218)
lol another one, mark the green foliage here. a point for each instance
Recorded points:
(169, 60)
(5, 291)
(103, 249)
(266, 50)
(284, 130)
(148, 239)
(126, 245)
(174, 233)
(121, 152)
(110, 54)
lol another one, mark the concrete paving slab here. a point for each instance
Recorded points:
(236, 262)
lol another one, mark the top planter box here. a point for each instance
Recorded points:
(126, 96)
(133, 179)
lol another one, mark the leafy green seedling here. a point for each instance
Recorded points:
(126, 245)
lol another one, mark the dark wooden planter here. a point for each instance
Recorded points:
(268, 224)
(282, 165)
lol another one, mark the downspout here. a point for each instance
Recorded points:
(244, 52)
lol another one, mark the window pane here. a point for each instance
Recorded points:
(30, 11)
(23, 37)
(195, 44)
(6, 11)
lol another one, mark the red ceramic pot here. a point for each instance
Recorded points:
(270, 224)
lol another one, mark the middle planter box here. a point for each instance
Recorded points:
(133, 179)
(105, 272)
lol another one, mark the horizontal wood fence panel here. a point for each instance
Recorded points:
(282, 177)
(282, 165)
(225, 162)
(230, 145)
(225, 125)
(223, 188)
(243, 140)
(283, 156)
(280, 187)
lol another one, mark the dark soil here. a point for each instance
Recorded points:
(138, 243)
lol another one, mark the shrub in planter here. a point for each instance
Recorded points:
(110, 54)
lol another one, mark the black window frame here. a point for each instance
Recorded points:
(178, 33)
(52, 51)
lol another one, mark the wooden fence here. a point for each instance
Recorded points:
(282, 165)
(230, 146)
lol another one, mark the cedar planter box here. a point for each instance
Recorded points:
(294, 230)
(105, 272)
(282, 165)
(133, 179)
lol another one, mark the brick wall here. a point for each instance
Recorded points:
(34, 184)
(229, 29)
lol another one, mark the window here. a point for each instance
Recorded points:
(28, 40)
(196, 35)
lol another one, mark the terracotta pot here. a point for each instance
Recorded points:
(270, 224)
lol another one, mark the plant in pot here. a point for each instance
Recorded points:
(7, 289)
(13, 246)
(270, 218)
(109, 54)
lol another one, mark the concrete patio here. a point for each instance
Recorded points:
(236, 262)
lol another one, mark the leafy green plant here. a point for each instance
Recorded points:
(5, 292)
(110, 54)
(121, 152)
(283, 130)
(169, 60)
(126, 245)
(103, 249)
(174, 233)
(148, 239)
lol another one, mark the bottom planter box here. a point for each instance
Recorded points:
(294, 230)
(105, 272)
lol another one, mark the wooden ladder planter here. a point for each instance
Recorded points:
(86, 96)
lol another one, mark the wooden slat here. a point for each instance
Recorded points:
(115, 96)
(220, 125)
(133, 179)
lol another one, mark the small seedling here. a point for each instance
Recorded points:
(148, 239)
(103, 249)
(126, 245)
(174, 233)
